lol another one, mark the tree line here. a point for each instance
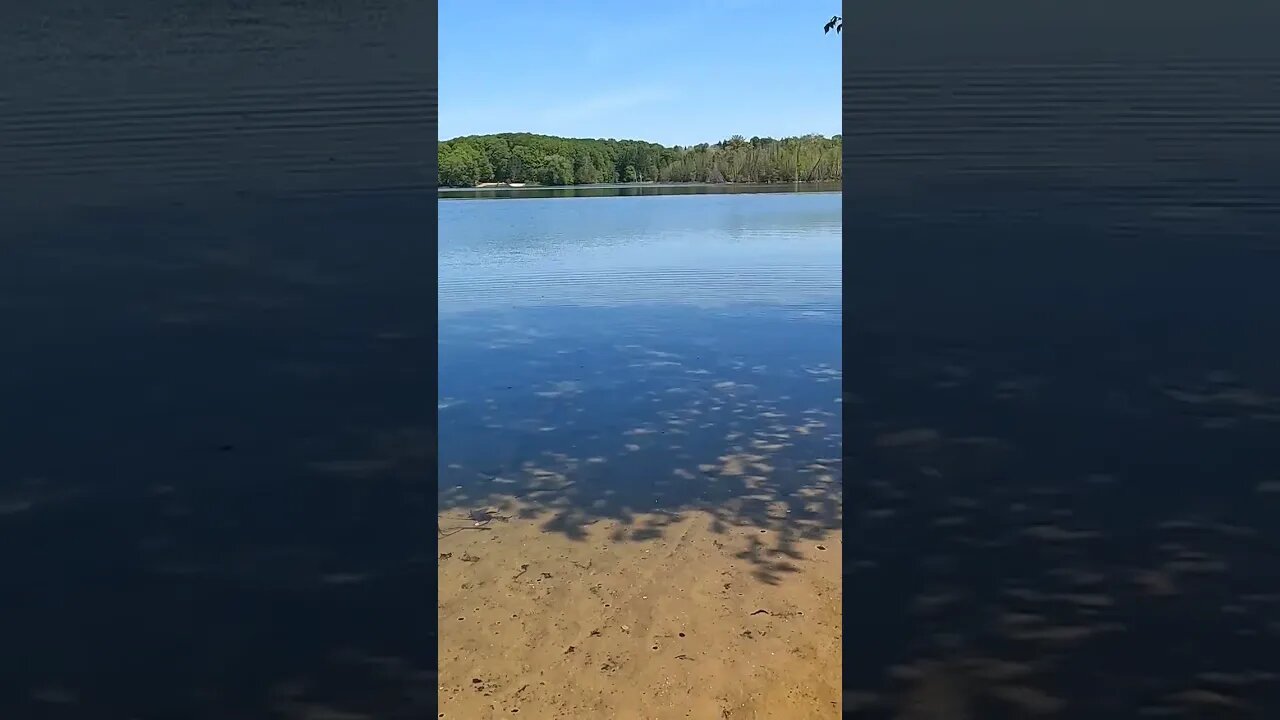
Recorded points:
(547, 160)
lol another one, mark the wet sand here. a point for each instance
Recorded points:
(534, 624)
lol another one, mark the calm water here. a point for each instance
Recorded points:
(634, 339)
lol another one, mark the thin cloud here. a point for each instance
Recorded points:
(605, 104)
(567, 117)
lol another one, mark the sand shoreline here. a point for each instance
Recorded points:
(688, 622)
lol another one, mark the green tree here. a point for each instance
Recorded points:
(835, 23)
(521, 157)
(556, 170)
(584, 169)
(498, 152)
(525, 162)
(463, 165)
(453, 170)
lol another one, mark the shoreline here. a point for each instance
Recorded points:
(610, 186)
(625, 623)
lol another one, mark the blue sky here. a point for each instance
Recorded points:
(676, 72)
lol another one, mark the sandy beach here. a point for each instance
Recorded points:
(681, 621)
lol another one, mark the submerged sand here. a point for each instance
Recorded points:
(682, 622)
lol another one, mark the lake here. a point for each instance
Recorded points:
(640, 432)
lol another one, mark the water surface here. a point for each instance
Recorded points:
(646, 392)
(593, 325)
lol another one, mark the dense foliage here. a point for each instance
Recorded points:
(546, 160)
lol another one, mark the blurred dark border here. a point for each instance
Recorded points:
(217, 263)
(1079, 197)
(149, 103)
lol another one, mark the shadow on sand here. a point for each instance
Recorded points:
(649, 430)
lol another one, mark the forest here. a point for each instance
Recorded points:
(547, 160)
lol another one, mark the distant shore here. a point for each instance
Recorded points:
(643, 184)
(475, 160)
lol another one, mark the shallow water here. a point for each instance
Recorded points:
(588, 327)
(627, 374)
